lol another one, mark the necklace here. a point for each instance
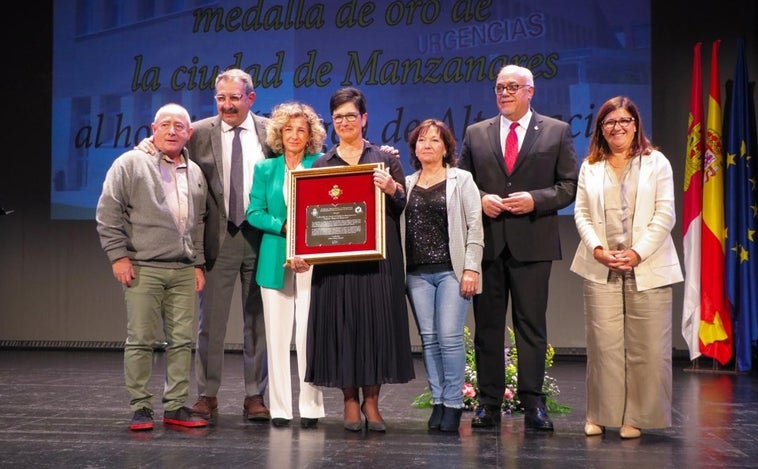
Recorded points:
(427, 180)
(350, 155)
(289, 166)
(624, 162)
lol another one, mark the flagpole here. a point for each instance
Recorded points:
(715, 325)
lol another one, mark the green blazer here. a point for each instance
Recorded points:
(267, 211)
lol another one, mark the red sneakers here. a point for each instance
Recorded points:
(183, 417)
(142, 420)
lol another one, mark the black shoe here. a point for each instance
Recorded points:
(305, 422)
(142, 420)
(537, 419)
(451, 419)
(277, 422)
(436, 417)
(486, 416)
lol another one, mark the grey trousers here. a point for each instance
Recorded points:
(237, 260)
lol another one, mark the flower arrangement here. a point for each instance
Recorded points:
(511, 402)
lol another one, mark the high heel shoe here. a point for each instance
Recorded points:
(351, 403)
(592, 429)
(353, 426)
(373, 425)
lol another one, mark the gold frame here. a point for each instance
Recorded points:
(340, 253)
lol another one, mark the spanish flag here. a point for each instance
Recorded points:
(715, 321)
(692, 213)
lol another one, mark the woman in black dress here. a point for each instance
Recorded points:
(358, 335)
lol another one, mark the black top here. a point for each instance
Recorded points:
(427, 241)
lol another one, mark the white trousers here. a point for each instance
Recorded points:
(281, 310)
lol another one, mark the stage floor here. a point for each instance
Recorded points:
(70, 409)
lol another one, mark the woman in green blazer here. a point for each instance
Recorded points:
(294, 132)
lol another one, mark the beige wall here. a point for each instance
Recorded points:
(57, 288)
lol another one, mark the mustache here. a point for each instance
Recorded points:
(230, 110)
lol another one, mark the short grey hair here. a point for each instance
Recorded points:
(174, 110)
(235, 74)
(523, 72)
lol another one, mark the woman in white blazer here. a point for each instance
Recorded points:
(624, 213)
(443, 241)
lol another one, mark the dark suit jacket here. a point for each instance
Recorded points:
(546, 168)
(205, 149)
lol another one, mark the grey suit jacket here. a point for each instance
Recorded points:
(205, 150)
(546, 168)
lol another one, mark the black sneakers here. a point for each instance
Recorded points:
(142, 420)
(183, 417)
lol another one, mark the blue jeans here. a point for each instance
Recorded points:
(440, 313)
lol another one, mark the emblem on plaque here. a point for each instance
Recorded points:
(335, 192)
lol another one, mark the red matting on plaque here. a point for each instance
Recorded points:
(335, 189)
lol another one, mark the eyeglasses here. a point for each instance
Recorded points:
(611, 123)
(349, 117)
(234, 99)
(510, 88)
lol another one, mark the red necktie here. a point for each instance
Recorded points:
(511, 147)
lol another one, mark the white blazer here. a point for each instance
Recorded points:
(654, 218)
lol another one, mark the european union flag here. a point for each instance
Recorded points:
(741, 207)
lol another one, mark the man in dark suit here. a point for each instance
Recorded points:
(231, 246)
(520, 199)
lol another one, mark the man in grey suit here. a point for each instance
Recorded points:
(231, 246)
(521, 195)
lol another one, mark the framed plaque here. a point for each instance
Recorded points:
(335, 214)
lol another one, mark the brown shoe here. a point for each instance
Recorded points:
(205, 407)
(255, 409)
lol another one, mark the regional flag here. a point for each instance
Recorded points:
(715, 321)
(741, 207)
(692, 210)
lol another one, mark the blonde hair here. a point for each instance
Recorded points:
(282, 114)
